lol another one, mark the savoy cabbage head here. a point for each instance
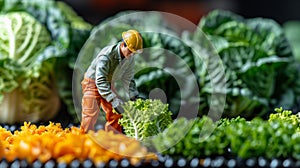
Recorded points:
(25, 82)
(39, 40)
(260, 68)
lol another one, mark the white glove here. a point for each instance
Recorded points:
(116, 102)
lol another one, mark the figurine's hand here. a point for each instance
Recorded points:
(133, 98)
(137, 97)
(116, 102)
(119, 110)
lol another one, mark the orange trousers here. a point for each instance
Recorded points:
(91, 102)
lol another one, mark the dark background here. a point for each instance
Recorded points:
(94, 11)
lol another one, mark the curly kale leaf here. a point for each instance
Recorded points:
(145, 118)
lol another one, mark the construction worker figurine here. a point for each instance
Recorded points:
(113, 62)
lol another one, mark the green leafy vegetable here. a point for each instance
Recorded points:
(23, 39)
(191, 138)
(39, 40)
(145, 118)
(260, 68)
(277, 137)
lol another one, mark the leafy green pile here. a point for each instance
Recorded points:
(260, 68)
(145, 118)
(236, 137)
(39, 45)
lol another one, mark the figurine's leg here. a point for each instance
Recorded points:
(111, 118)
(90, 105)
(90, 111)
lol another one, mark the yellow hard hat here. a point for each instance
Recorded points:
(133, 40)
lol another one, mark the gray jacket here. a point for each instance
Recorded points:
(108, 68)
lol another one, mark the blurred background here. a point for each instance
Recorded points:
(95, 11)
(281, 11)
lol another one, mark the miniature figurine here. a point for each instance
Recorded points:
(98, 85)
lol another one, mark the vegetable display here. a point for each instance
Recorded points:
(43, 42)
(43, 143)
(39, 45)
(277, 137)
(260, 69)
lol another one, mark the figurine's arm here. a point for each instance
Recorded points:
(102, 82)
(129, 80)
